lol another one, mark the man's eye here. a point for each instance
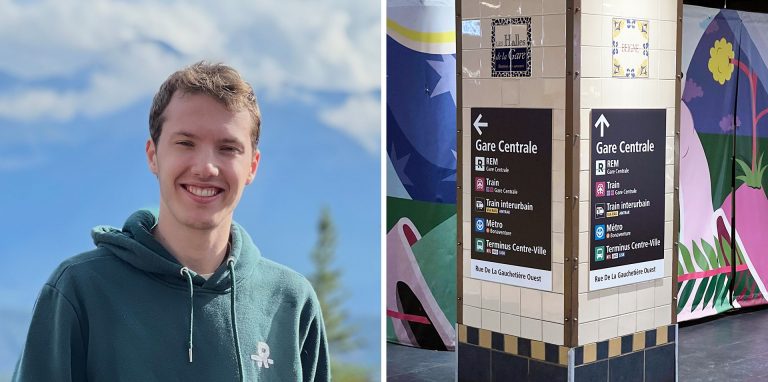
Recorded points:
(185, 143)
(230, 149)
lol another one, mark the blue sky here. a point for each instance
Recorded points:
(74, 100)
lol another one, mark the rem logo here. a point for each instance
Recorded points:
(600, 167)
(479, 163)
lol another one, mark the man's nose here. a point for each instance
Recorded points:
(205, 166)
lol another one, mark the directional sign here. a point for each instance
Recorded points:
(602, 123)
(512, 178)
(479, 124)
(627, 204)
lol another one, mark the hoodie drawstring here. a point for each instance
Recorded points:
(231, 265)
(185, 273)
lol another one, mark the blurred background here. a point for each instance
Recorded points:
(76, 82)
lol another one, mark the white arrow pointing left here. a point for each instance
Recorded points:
(477, 124)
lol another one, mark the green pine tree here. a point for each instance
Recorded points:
(326, 280)
(327, 283)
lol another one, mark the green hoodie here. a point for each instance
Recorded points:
(126, 311)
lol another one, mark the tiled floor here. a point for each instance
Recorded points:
(730, 347)
(405, 363)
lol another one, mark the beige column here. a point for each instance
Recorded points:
(572, 71)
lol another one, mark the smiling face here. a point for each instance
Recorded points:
(203, 160)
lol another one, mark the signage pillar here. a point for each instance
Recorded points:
(567, 214)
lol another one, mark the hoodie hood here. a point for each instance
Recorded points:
(136, 245)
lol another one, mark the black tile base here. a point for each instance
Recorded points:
(524, 347)
(497, 341)
(551, 353)
(474, 363)
(660, 363)
(547, 372)
(650, 338)
(592, 372)
(492, 363)
(627, 368)
(508, 367)
(578, 356)
(473, 335)
(626, 344)
(477, 364)
(602, 350)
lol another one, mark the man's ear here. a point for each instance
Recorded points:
(254, 166)
(152, 156)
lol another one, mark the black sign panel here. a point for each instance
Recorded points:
(627, 196)
(511, 194)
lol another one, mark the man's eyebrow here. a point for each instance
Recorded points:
(227, 140)
(185, 134)
(232, 141)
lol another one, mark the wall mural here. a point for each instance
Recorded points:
(421, 173)
(723, 247)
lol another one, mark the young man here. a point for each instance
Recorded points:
(184, 295)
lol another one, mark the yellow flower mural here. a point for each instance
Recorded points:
(720, 64)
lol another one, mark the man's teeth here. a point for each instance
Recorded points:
(202, 191)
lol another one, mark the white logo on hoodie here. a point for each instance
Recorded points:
(262, 356)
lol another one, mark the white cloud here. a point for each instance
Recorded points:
(60, 38)
(120, 52)
(358, 117)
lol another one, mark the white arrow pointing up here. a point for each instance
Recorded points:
(603, 123)
(477, 124)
